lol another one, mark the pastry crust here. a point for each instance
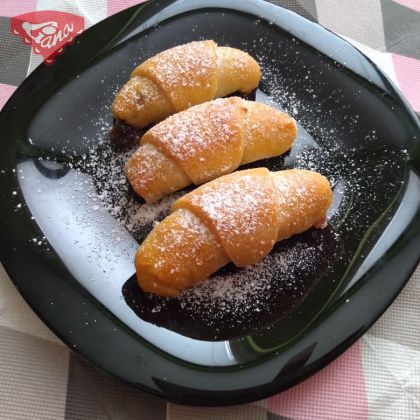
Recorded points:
(181, 77)
(205, 142)
(190, 252)
(187, 74)
(240, 209)
(238, 217)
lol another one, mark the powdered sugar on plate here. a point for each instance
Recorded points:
(272, 287)
(235, 301)
(105, 164)
(248, 290)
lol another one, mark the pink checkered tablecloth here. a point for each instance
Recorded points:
(377, 378)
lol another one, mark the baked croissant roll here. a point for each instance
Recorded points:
(205, 142)
(238, 217)
(181, 77)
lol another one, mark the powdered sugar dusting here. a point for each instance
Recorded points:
(323, 143)
(234, 296)
(106, 166)
(135, 93)
(234, 301)
(248, 289)
(189, 133)
(222, 205)
(241, 211)
(209, 133)
(184, 248)
(184, 72)
(184, 64)
(143, 172)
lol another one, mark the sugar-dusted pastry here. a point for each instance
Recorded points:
(238, 217)
(205, 142)
(181, 77)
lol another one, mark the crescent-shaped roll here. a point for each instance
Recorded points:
(205, 142)
(238, 217)
(181, 77)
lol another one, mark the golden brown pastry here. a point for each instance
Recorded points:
(205, 142)
(238, 217)
(181, 77)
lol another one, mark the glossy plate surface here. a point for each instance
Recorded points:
(70, 225)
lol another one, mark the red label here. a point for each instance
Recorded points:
(47, 31)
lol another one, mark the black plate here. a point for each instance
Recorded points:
(247, 334)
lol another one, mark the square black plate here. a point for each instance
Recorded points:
(70, 225)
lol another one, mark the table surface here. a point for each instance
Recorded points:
(377, 378)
